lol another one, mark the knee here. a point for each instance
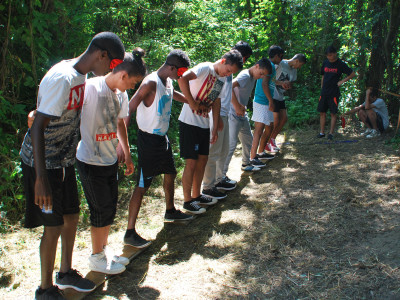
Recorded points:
(71, 220)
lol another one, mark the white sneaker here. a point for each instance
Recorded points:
(98, 263)
(118, 259)
(374, 133)
(366, 132)
(273, 144)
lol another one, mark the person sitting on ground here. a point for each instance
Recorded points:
(104, 109)
(239, 125)
(373, 113)
(153, 101)
(48, 157)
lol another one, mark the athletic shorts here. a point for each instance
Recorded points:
(328, 102)
(100, 184)
(278, 105)
(379, 122)
(262, 114)
(154, 157)
(193, 141)
(64, 192)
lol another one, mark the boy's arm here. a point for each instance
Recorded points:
(354, 110)
(216, 110)
(267, 92)
(352, 75)
(123, 141)
(368, 104)
(43, 197)
(184, 86)
(240, 109)
(141, 94)
(177, 96)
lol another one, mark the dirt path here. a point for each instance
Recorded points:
(320, 222)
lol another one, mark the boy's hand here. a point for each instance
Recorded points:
(31, 118)
(220, 124)
(120, 154)
(287, 85)
(43, 197)
(129, 165)
(240, 109)
(340, 83)
(271, 106)
(214, 137)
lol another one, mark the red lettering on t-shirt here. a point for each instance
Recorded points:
(330, 70)
(76, 97)
(105, 136)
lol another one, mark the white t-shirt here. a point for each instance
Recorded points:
(155, 118)
(207, 87)
(284, 72)
(381, 109)
(60, 97)
(100, 113)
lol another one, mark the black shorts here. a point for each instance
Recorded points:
(278, 105)
(328, 102)
(379, 122)
(193, 141)
(100, 184)
(64, 192)
(154, 157)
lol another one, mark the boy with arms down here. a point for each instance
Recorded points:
(153, 102)
(214, 178)
(331, 71)
(202, 85)
(238, 121)
(104, 109)
(48, 157)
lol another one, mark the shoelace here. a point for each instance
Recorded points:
(195, 205)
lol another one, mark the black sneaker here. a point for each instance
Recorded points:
(250, 168)
(330, 137)
(135, 240)
(193, 207)
(214, 194)
(176, 216)
(203, 200)
(265, 156)
(52, 293)
(228, 180)
(224, 185)
(74, 280)
(257, 163)
(320, 135)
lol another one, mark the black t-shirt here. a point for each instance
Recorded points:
(332, 73)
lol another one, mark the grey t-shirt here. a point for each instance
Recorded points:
(381, 109)
(243, 92)
(284, 72)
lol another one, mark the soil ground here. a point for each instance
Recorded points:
(321, 221)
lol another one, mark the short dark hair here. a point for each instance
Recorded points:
(178, 58)
(110, 42)
(330, 49)
(265, 63)
(133, 63)
(234, 57)
(274, 50)
(244, 48)
(300, 57)
(374, 93)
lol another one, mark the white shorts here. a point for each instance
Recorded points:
(262, 114)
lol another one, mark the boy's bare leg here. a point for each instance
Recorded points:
(257, 133)
(265, 137)
(68, 234)
(282, 121)
(322, 120)
(199, 174)
(134, 206)
(99, 238)
(333, 123)
(47, 250)
(187, 179)
(169, 190)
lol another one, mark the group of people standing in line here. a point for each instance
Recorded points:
(85, 121)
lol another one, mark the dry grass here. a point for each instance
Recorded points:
(320, 222)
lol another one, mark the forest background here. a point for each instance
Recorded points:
(36, 34)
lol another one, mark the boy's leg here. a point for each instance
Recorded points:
(234, 127)
(99, 238)
(322, 120)
(258, 130)
(187, 178)
(198, 175)
(224, 136)
(265, 137)
(48, 248)
(362, 115)
(333, 123)
(372, 118)
(134, 205)
(68, 234)
(246, 139)
(282, 121)
(169, 190)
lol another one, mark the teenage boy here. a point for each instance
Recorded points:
(331, 71)
(263, 95)
(104, 109)
(238, 121)
(48, 157)
(202, 84)
(153, 101)
(214, 179)
(373, 113)
(286, 74)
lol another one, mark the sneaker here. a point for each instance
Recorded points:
(273, 144)
(204, 200)
(193, 207)
(52, 293)
(374, 133)
(250, 168)
(133, 239)
(257, 163)
(225, 185)
(74, 280)
(320, 135)
(177, 215)
(330, 136)
(366, 132)
(119, 259)
(265, 156)
(270, 149)
(213, 193)
(228, 180)
(99, 263)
